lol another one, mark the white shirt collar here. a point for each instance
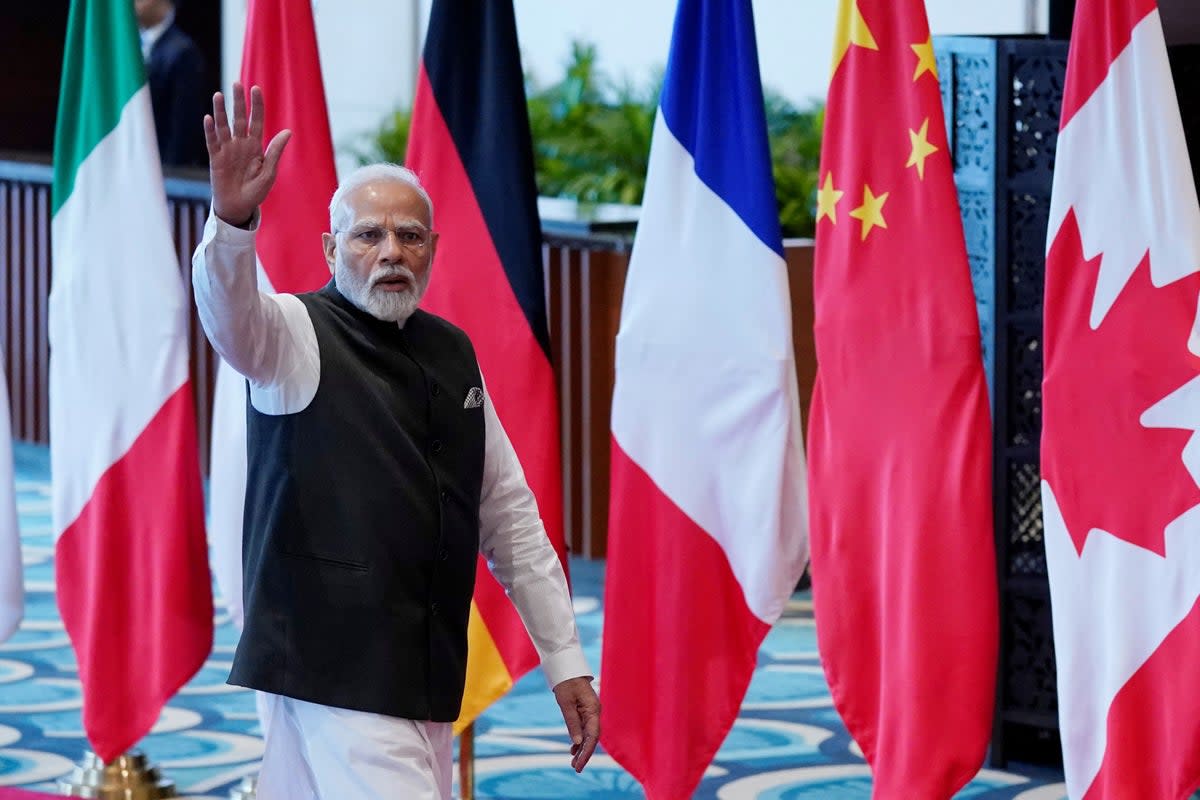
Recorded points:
(151, 35)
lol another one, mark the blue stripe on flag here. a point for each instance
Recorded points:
(712, 101)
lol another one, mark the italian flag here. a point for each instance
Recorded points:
(132, 568)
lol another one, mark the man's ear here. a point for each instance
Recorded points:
(329, 243)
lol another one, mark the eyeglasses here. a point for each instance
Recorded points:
(410, 237)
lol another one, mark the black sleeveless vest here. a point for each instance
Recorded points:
(361, 530)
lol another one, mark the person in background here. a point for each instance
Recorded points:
(175, 71)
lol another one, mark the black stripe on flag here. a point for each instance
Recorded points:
(474, 69)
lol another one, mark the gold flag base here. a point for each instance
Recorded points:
(128, 777)
(246, 790)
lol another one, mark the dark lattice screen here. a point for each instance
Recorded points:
(1002, 100)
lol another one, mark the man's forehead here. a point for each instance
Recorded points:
(385, 220)
(386, 199)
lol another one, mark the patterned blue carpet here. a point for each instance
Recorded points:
(788, 743)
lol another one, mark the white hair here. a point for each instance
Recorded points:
(383, 171)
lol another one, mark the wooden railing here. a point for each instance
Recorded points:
(24, 289)
(585, 257)
(585, 280)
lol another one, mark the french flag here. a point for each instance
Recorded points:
(708, 520)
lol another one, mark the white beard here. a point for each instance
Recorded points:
(387, 306)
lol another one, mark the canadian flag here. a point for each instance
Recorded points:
(1121, 406)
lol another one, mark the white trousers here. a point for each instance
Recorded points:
(317, 752)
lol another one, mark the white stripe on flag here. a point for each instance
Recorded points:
(227, 486)
(117, 312)
(1143, 198)
(1115, 593)
(705, 346)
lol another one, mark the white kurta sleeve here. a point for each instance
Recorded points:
(268, 338)
(513, 540)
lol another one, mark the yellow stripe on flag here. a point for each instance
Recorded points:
(487, 677)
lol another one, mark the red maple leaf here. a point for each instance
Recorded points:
(1107, 470)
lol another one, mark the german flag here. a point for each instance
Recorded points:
(471, 147)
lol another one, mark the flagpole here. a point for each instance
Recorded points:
(466, 763)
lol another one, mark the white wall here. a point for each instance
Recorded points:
(795, 37)
(370, 48)
(369, 51)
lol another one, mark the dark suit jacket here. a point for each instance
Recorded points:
(175, 72)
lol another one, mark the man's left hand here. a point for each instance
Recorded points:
(581, 711)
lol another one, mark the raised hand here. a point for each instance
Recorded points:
(240, 171)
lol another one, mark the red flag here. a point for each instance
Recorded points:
(471, 147)
(903, 564)
(1121, 396)
(280, 55)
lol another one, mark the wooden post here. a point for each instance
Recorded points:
(466, 763)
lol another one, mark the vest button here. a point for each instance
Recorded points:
(433, 609)
(435, 390)
(445, 497)
(445, 554)
(436, 446)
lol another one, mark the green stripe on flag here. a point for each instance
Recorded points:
(102, 70)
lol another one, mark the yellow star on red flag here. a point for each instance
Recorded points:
(827, 200)
(878, 302)
(851, 29)
(925, 60)
(871, 211)
(921, 148)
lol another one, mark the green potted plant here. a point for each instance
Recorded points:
(591, 140)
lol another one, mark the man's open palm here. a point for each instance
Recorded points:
(240, 171)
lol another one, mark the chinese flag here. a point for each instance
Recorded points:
(899, 441)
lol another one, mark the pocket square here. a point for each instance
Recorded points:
(474, 398)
